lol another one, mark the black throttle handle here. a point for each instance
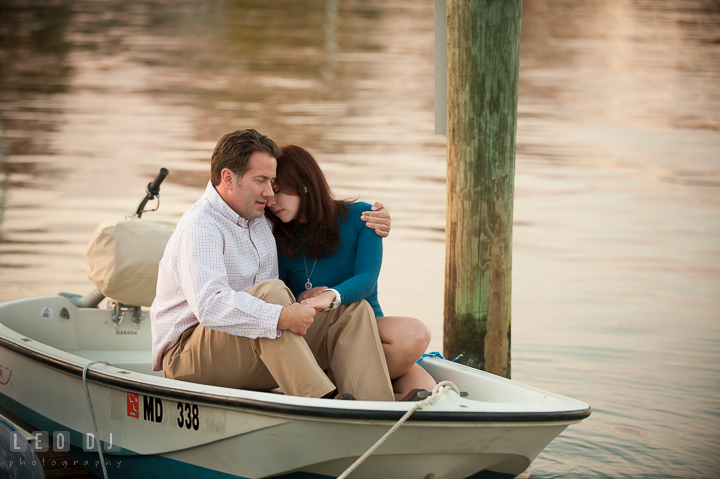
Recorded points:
(153, 188)
(152, 191)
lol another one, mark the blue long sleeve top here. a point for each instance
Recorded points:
(353, 270)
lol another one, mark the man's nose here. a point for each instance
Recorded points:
(268, 191)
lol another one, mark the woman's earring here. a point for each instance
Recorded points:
(306, 189)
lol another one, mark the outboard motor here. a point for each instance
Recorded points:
(123, 257)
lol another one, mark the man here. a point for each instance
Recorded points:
(221, 317)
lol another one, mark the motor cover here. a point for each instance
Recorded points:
(123, 257)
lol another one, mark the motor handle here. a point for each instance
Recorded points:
(152, 191)
(153, 188)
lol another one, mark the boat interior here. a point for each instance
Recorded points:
(90, 333)
(124, 341)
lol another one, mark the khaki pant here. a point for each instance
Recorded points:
(344, 340)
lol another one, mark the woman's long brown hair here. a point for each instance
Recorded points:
(297, 171)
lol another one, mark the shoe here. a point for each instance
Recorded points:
(334, 394)
(345, 397)
(417, 394)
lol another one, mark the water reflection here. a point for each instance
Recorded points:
(616, 192)
(34, 68)
(616, 266)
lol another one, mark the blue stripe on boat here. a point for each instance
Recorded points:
(129, 463)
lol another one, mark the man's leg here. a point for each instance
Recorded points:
(346, 340)
(207, 356)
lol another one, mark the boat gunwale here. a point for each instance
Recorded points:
(290, 409)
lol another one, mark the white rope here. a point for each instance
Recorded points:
(440, 389)
(92, 414)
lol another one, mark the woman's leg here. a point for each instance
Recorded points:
(404, 341)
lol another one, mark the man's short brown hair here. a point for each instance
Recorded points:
(234, 149)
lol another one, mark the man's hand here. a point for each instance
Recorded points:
(378, 218)
(311, 293)
(297, 318)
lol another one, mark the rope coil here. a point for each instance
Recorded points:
(438, 391)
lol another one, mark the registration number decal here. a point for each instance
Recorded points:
(189, 416)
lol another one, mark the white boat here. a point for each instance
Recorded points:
(168, 428)
(153, 427)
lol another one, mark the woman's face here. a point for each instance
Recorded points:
(285, 205)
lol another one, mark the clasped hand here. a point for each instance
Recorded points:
(316, 298)
(298, 317)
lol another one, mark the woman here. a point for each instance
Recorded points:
(323, 243)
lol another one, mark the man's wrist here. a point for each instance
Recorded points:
(277, 312)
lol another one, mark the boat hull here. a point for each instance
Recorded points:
(156, 427)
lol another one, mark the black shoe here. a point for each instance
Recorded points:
(345, 397)
(334, 394)
(417, 395)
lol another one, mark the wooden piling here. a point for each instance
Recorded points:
(483, 41)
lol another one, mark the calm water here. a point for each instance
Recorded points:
(616, 281)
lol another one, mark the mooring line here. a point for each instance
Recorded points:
(92, 414)
(440, 389)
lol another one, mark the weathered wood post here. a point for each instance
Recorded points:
(483, 49)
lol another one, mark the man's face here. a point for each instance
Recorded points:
(248, 194)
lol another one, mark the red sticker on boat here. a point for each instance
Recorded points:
(133, 405)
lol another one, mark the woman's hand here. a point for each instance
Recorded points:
(378, 218)
(321, 302)
(311, 293)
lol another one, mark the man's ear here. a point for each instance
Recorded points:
(227, 177)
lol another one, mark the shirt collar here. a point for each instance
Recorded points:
(216, 201)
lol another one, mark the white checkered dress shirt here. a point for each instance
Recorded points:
(211, 258)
